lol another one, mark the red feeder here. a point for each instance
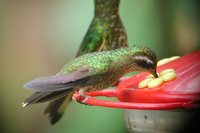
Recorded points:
(181, 93)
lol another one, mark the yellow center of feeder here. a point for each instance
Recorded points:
(164, 76)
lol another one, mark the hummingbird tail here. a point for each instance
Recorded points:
(56, 108)
(39, 97)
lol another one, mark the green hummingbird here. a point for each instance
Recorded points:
(90, 72)
(106, 32)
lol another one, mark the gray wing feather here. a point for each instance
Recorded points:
(57, 82)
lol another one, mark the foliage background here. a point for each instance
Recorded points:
(38, 37)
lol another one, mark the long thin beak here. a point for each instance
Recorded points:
(154, 74)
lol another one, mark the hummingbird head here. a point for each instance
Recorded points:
(145, 59)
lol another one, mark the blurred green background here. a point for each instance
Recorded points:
(38, 37)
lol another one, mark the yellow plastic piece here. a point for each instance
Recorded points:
(163, 61)
(168, 76)
(155, 83)
(174, 58)
(144, 83)
(167, 71)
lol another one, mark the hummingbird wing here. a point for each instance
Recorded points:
(57, 82)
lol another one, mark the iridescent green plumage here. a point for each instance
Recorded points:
(106, 31)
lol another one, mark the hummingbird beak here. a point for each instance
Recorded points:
(154, 73)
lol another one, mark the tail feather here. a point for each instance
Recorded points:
(56, 108)
(39, 97)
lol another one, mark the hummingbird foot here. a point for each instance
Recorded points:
(103, 45)
(80, 97)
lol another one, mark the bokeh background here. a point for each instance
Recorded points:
(37, 37)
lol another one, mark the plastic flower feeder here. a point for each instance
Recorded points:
(165, 109)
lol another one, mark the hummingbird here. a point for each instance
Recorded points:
(90, 72)
(106, 32)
